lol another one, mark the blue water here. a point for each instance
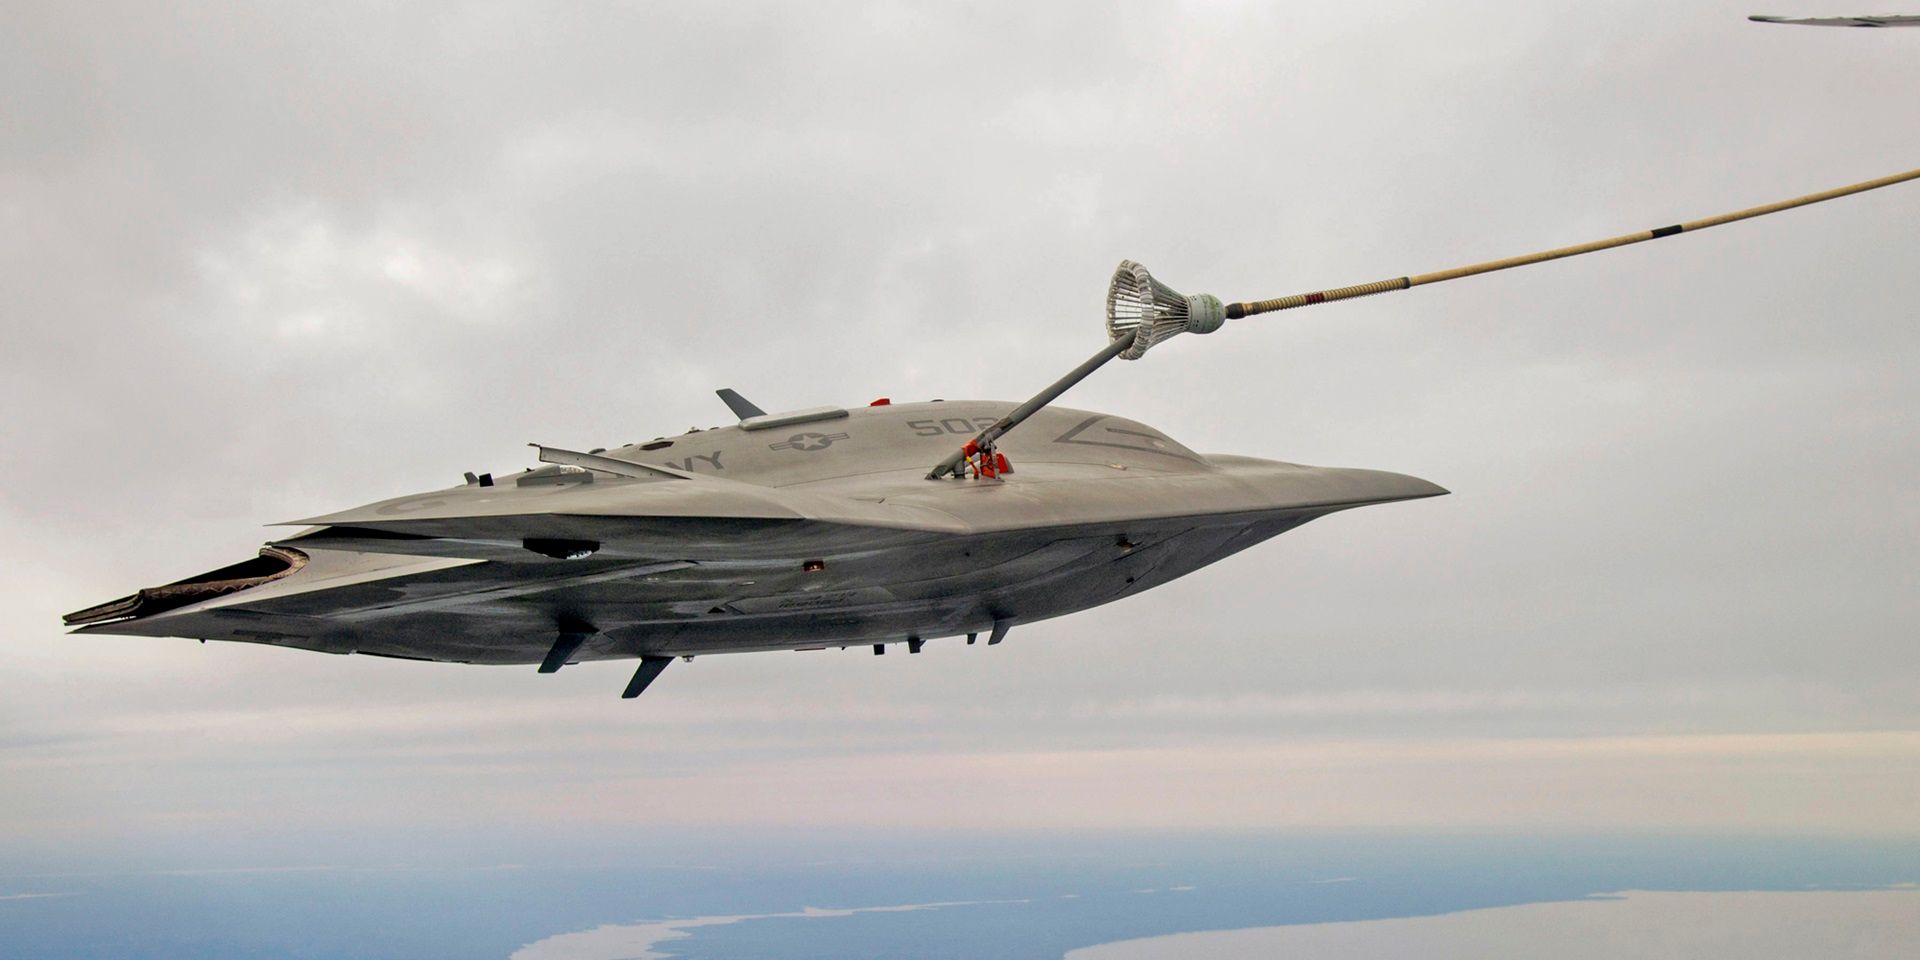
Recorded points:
(1075, 892)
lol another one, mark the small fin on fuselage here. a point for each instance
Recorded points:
(741, 406)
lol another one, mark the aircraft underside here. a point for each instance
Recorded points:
(510, 613)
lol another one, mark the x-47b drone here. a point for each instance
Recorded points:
(798, 530)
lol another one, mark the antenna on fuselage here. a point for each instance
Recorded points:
(741, 406)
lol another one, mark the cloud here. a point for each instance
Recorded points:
(262, 264)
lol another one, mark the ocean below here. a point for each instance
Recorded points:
(1015, 898)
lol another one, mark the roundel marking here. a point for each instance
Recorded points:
(808, 442)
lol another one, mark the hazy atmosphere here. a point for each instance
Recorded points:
(266, 261)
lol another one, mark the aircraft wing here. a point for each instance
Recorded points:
(1875, 20)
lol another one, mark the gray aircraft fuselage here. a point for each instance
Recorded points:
(784, 532)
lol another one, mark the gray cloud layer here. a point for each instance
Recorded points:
(265, 261)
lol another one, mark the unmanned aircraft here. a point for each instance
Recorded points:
(799, 530)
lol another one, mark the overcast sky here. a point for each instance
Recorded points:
(268, 261)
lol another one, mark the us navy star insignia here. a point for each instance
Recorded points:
(809, 441)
